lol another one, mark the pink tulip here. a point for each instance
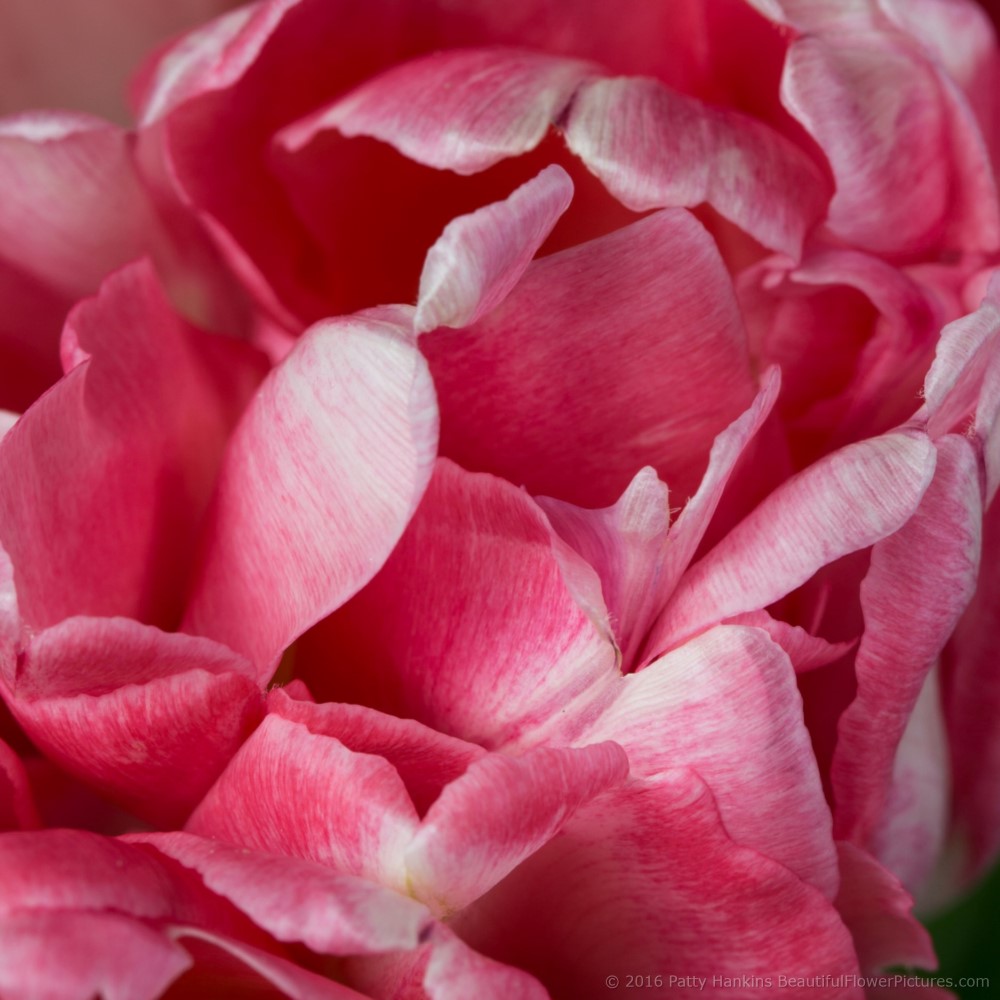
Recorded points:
(497, 500)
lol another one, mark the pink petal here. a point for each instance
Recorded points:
(427, 633)
(17, 808)
(920, 580)
(725, 704)
(318, 484)
(149, 718)
(965, 349)
(910, 838)
(456, 972)
(461, 110)
(426, 759)
(655, 148)
(359, 821)
(500, 812)
(238, 968)
(60, 171)
(647, 878)
(843, 503)
(806, 651)
(105, 479)
(889, 128)
(647, 286)
(66, 955)
(625, 543)
(877, 911)
(971, 698)
(297, 900)
(480, 257)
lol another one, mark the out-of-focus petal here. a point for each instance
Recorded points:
(455, 972)
(845, 502)
(877, 911)
(655, 148)
(98, 954)
(17, 808)
(726, 705)
(919, 582)
(318, 483)
(543, 392)
(149, 718)
(480, 257)
(104, 481)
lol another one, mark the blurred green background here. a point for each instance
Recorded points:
(967, 938)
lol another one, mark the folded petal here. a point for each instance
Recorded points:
(843, 503)
(725, 704)
(104, 481)
(471, 627)
(426, 759)
(148, 718)
(480, 257)
(460, 110)
(318, 483)
(639, 331)
(499, 813)
(662, 887)
(655, 148)
(806, 651)
(360, 818)
(17, 808)
(625, 544)
(297, 900)
(919, 582)
(454, 972)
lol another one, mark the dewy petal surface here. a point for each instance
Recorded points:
(317, 485)
(619, 353)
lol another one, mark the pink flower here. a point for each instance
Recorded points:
(496, 498)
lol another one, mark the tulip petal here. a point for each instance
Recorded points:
(625, 544)
(480, 257)
(461, 110)
(149, 718)
(910, 837)
(318, 484)
(843, 503)
(427, 632)
(971, 699)
(455, 972)
(238, 968)
(298, 900)
(655, 148)
(548, 367)
(726, 705)
(426, 759)
(920, 580)
(500, 812)
(908, 175)
(359, 821)
(99, 954)
(806, 651)
(17, 808)
(877, 911)
(661, 884)
(103, 482)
